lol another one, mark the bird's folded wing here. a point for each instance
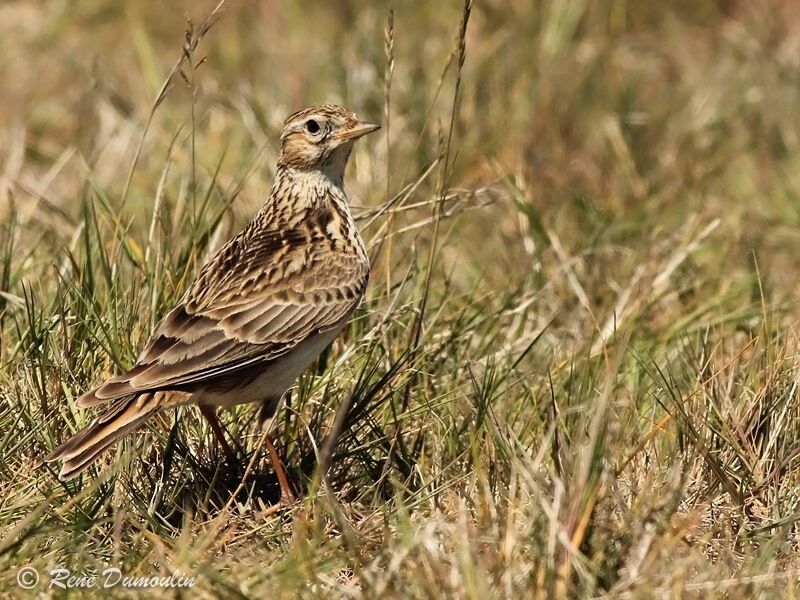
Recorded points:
(245, 315)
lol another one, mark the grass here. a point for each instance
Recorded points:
(575, 373)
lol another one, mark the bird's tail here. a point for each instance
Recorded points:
(123, 416)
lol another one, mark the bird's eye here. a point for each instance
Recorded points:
(312, 127)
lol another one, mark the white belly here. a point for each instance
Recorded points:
(276, 378)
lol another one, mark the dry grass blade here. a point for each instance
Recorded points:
(577, 369)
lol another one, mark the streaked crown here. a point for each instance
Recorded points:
(321, 138)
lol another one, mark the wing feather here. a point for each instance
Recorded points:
(250, 304)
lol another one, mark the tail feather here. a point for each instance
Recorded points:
(89, 399)
(122, 417)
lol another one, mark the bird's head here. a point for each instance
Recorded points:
(321, 138)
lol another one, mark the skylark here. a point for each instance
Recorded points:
(260, 310)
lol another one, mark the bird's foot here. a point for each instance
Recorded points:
(285, 501)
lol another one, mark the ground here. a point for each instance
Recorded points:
(575, 372)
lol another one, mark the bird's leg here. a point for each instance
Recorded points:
(267, 410)
(219, 433)
(287, 496)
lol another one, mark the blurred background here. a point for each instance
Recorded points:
(613, 121)
(600, 205)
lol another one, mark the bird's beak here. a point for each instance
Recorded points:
(356, 131)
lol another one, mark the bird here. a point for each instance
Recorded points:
(259, 311)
